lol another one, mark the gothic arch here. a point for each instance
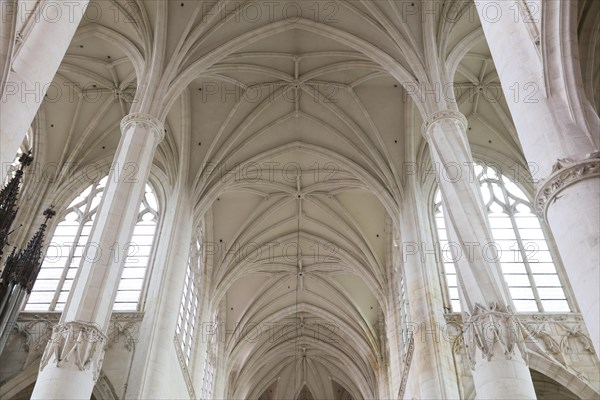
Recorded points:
(199, 66)
(561, 375)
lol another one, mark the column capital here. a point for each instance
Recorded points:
(146, 120)
(492, 331)
(443, 115)
(565, 172)
(76, 344)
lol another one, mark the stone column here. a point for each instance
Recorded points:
(492, 335)
(34, 64)
(432, 374)
(156, 352)
(73, 357)
(569, 200)
(558, 130)
(8, 16)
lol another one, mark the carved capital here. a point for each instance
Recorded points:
(489, 330)
(147, 121)
(565, 173)
(76, 344)
(441, 116)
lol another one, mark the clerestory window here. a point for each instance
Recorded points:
(527, 262)
(187, 322)
(68, 244)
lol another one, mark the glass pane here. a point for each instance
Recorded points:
(62, 297)
(131, 284)
(132, 306)
(546, 280)
(525, 305)
(527, 234)
(551, 293)
(41, 297)
(513, 268)
(62, 247)
(521, 293)
(449, 268)
(48, 273)
(451, 280)
(503, 233)
(529, 245)
(133, 273)
(30, 306)
(541, 268)
(127, 296)
(556, 306)
(528, 221)
(516, 280)
(453, 293)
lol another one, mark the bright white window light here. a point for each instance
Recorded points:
(187, 322)
(527, 262)
(69, 241)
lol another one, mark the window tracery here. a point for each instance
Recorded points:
(71, 240)
(526, 260)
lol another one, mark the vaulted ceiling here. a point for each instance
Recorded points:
(285, 131)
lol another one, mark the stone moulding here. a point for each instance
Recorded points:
(146, 121)
(184, 369)
(443, 115)
(487, 328)
(565, 173)
(76, 344)
(407, 364)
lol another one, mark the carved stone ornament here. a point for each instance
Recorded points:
(406, 369)
(146, 121)
(487, 328)
(76, 344)
(443, 115)
(184, 369)
(565, 173)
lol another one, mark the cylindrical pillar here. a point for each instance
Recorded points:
(73, 356)
(558, 131)
(493, 340)
(432, 375)
(33, 67)
(568, 200)
(8, 16)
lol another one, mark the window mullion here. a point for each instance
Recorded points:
(89, 199)
(72, 251)
(522, 250)
(526, 262)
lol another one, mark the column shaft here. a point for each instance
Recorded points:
(558, 130)
(568, 200)
(33, 67)
(497, 360)
(431, 375)
(73, 356)
(162, 306)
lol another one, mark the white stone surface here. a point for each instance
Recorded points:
(365, 71)
(92, 297)
(495, 373)
(555, 121)
(34, 65)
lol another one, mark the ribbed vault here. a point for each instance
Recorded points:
(290, 131)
